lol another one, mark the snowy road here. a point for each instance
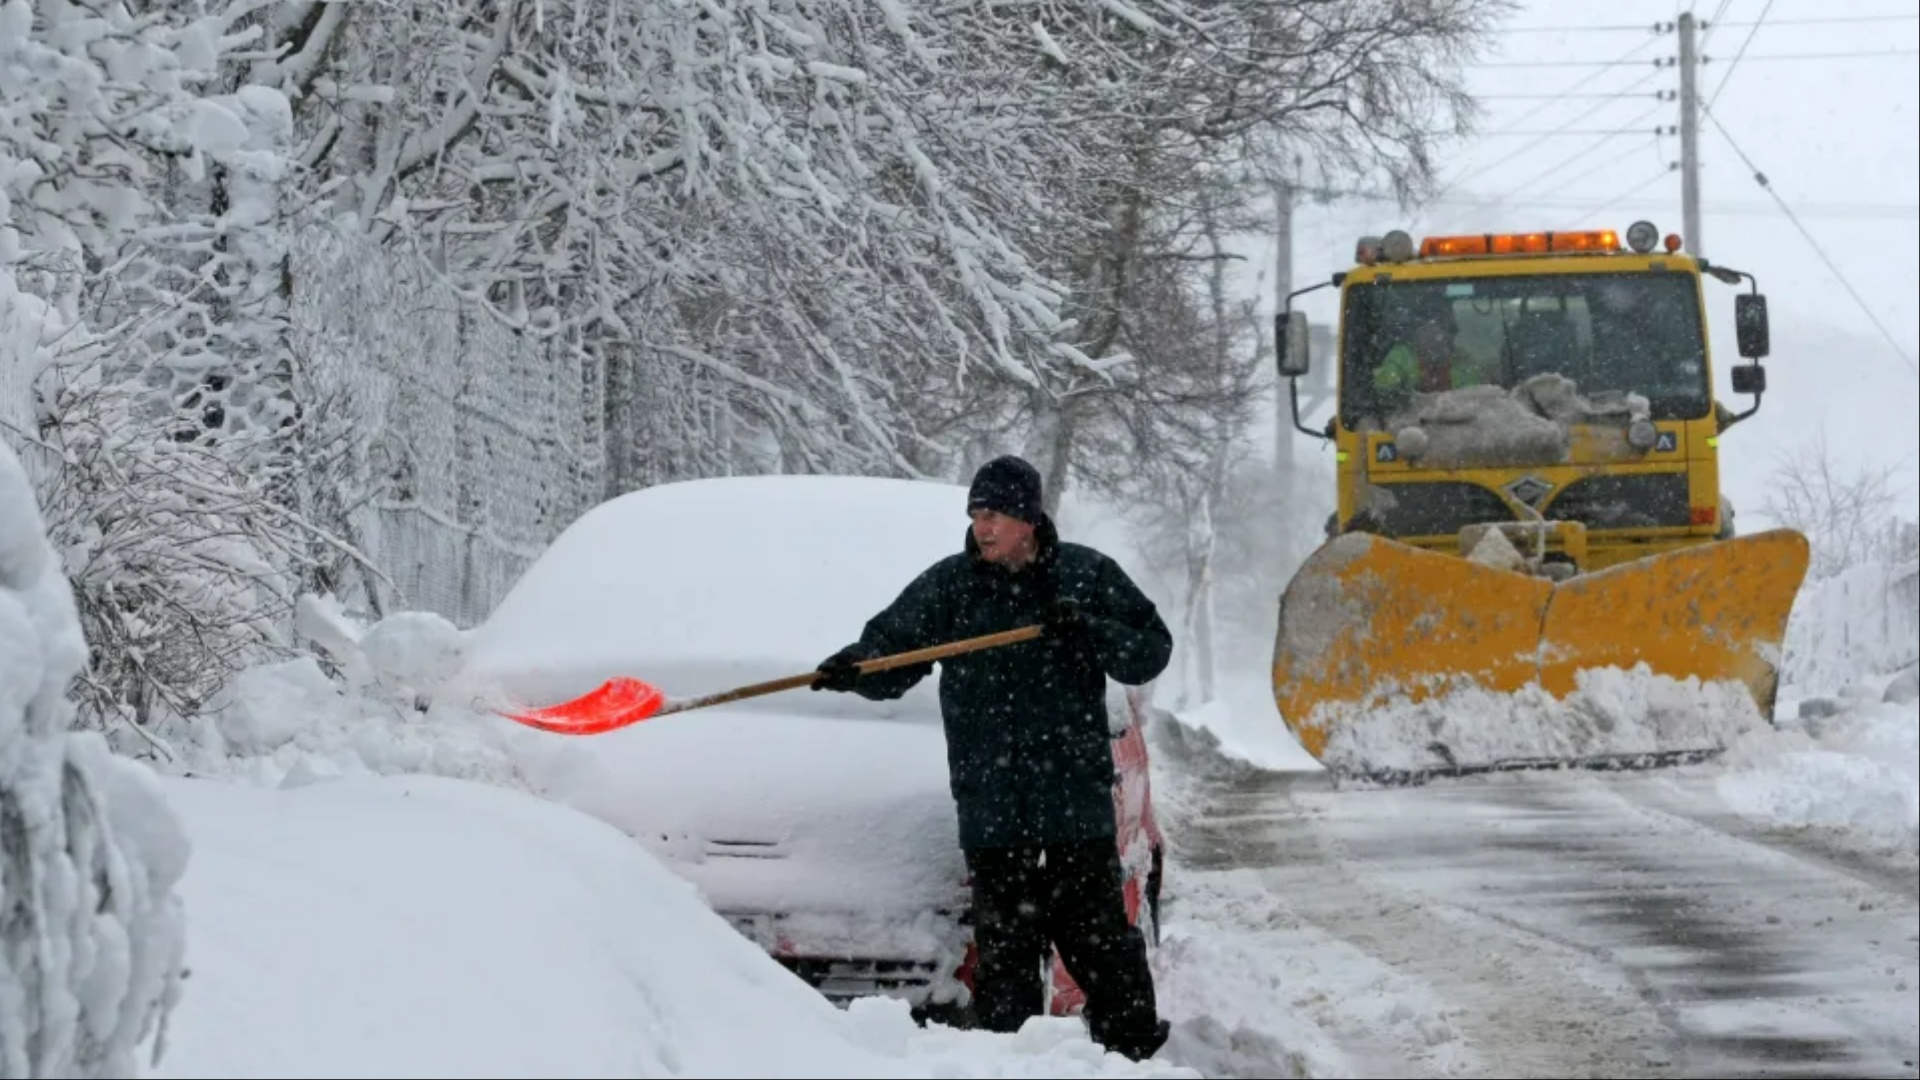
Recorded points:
(1564, 925)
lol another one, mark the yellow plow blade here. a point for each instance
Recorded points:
(1714, 612)
(1370, 629)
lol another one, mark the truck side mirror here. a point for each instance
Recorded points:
(1750, 378)
(1290, 330)
(1750, 325)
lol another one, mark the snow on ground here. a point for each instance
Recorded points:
(423, 926)
(1243, 725)
(1256, 990)
(1253, 987)
(1855, 772)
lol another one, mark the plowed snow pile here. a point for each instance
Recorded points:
(1857, 772)
(1612, 711)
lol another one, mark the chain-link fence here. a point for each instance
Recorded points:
(479, 444)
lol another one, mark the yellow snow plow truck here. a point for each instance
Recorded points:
(1531, 563)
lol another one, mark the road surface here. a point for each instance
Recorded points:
(1586, 925)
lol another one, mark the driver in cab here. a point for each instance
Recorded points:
(1426, 358)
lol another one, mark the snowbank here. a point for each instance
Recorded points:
(90, 948)
(1857, 772)
(426, 926)
(289, 723)
(1611, 711)
(1864, 620)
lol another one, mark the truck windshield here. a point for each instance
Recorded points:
(1632, 332)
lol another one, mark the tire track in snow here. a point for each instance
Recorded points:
(1801, 959)
(1577, 932)
(1509, 1000)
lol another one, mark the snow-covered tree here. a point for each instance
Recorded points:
(142, 204)
(1169, 99)
(92, 945)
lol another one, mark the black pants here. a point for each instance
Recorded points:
(1070, 900)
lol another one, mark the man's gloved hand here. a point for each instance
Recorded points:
(1065, 621)
(838, 672)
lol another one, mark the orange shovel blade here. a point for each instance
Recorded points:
(613, 704)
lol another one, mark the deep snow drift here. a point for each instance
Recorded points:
(89, 852)
(421, 926)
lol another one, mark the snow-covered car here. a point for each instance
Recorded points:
(820, 824)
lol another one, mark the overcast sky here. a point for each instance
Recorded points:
(1825, 109)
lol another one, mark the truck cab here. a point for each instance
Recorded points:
(1557, 386)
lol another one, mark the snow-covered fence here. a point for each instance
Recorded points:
(1863, 620)
(476, 449)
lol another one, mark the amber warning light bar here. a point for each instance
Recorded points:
(1539, 243)
(1397, 246)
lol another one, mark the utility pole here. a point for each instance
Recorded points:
(1282, 285)
(1689, 137)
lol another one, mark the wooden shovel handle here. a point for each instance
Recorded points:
(867, 667)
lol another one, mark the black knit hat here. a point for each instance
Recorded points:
(1009, 485)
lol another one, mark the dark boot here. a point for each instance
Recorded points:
(1137, 1044)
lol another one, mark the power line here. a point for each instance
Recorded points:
(1576, 156)
(1843, 211)
(1830, 20)
(1549, 133)
(1714, 22)
(1748, 40)
(1622, 28)
(1660, 61)
(1636, 189)
(1656, 61)
(1603, 163)
(1512, 155)
(1621, 59)
(1564, 97)
(1761, 179)
(1828, 56)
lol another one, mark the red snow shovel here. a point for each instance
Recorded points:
(622, 700)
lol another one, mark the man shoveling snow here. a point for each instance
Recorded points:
(1029, 749)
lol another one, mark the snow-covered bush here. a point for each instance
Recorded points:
(175, 553)
(93, 936)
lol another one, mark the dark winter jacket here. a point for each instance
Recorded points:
(1029, 749)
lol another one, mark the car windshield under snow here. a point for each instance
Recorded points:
(1612, 332)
